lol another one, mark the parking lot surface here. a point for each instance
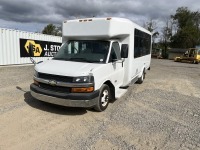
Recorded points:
(162, 113)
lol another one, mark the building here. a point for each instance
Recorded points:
(175, 52)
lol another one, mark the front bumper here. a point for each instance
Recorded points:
(65, 99)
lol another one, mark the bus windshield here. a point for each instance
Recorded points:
(84, 51)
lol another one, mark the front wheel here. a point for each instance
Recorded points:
(104, 97)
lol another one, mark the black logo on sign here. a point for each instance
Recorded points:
(40, 48)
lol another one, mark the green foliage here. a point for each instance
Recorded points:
(51, 29)
(188, 33)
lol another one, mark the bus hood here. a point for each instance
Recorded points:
(66, 68)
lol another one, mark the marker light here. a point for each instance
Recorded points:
(82, 90)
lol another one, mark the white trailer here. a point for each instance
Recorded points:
(98, 59)
(13, 46)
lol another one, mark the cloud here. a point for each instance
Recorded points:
(51, 11)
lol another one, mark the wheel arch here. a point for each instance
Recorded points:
(143, 70)
(112, 88)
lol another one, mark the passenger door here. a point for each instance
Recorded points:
(115, 65)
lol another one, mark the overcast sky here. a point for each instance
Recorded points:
(33, 15)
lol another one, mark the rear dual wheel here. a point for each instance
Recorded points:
(141, 79)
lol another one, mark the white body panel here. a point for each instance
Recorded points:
(103, 29)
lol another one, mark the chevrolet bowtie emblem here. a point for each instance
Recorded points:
(52, 82)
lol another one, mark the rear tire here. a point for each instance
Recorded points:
(103, 99)
(195, 62)
(141, 79)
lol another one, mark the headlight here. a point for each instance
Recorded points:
(36, 73)
(83, 79)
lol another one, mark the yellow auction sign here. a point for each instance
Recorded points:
(40, 48)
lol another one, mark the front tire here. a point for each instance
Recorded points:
(103, 99)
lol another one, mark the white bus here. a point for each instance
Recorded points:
(98, 60)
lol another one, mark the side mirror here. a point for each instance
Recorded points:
(124, 51)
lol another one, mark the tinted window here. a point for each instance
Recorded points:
(142, 45)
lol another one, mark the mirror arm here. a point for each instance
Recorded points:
(32, 60)
(123, 59)
(30, 53)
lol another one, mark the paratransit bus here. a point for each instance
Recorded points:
(98, 60)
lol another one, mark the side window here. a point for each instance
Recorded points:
(115, 52)
(142, 44)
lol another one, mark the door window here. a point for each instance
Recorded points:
(115, 52)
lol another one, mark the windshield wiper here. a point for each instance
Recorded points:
(81, 59)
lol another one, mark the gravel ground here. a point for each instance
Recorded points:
(162, 113)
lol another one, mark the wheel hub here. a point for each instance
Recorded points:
(104, 98)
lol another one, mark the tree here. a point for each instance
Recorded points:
(151, 26)
(166, 35)
(51, 29)
(188, 31)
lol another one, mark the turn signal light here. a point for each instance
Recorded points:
(82, 90)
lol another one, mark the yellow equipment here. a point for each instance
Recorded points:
(191, 55)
